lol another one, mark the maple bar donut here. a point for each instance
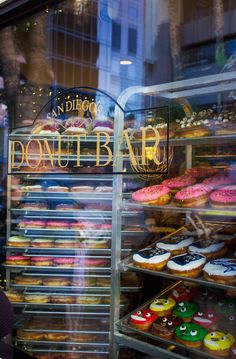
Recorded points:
(223, 197)
(42, 243)
(187, 265)
(158, 195)
(176, 244)
(211, 251)
(218, 343)
(193, 196)
(190, 334)
(142, 319)
(177, 183)
(18, 260)
(18, 241)
(41, 261)
(221, 271)
(32, 223)
(151, 258)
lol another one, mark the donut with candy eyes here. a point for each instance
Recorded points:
(208, 319)
(182, 293)
(185, 311)
(218, 343)
(190, 334)
(226, 306)
(228, 323)
(164, 327)
(142, 319)
(162, 306)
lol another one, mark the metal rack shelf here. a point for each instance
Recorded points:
(72, 289)
(92, 196)
(226, 212)
(81, 344)
(41, 268)
(93, 214)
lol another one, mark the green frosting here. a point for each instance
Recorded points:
(190, 332)
(185, 309)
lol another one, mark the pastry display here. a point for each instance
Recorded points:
(210, 251)
(221, 271)
(187, 265)
(193, 196)
(195, 125)
(142, 319)
(158, 195)
(162, 306)
(218, 343)
(223, 197)
(190, 334)
(164, 327)
(182, 293)
(151, 258)
(176, 244)
(177, 183)
(207, 319)
(185, 310)
(18, 241)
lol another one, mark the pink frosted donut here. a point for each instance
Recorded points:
(31, 223)
(57, 225)
(152, 194)
(41, 261)
(64, 262)
(224, 196)
(93, 262)
(83, 225)
(218, 180)
(196, 195)
(179, 182)
(17, 260)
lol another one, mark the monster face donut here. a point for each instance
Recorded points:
(187, 265)
(218, 343)
(226, 306)
(228, 324)
(151, 258)
(142, 319)
(221, 271)
(182, 293)
(164, 327)
(185, 311)
(162, 306)
(208, 319)
(190, 334)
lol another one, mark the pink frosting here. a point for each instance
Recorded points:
(150, 193)
(224, 195)
(195, 191)
(57, 224)
(41, 259)
(178, 182)
(83, 224)
(92, 262)
(16, 258)
(64, 260)
(218, 180)
(33, 222)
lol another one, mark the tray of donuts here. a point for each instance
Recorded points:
(56, 299)
(185, 256)
(78, 263)
(196, 187)
(189, 316)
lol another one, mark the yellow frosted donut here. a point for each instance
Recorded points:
(218, 340)
(162, 306)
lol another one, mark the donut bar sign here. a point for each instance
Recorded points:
(79, 132)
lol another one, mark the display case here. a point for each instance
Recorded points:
(59, 236)
(199, 192)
